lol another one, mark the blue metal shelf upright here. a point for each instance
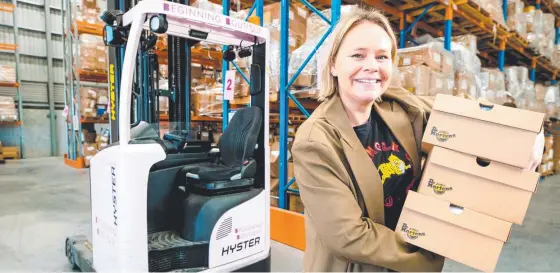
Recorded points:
(258, 8)
(285, 84)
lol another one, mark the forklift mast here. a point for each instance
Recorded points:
(146, 86)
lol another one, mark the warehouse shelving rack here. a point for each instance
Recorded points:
(10, 7)
(440, 18)
(199, 56)
(75, 78)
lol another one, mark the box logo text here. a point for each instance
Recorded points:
(411, 233)
(441, 136)
(438, 188)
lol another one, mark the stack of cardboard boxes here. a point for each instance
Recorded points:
(474, 186)
(94, 102)
(547, 165)
(556, 150)
(7, 73)
(93, 143)
(8, 111)
(426, 70)
(93, 54)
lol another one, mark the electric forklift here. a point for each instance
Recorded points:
(177, 203)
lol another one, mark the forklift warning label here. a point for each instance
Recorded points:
(210, 17)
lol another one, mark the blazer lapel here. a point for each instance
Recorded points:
(364, 171)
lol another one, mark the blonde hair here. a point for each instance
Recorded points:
(329, 84)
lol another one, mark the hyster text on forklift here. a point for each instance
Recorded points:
(173, 203)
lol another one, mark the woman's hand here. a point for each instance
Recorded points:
(538, 150)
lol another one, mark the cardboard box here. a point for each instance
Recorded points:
(463, 235)
(465, 82)
(416, 79)
(426, 54)
(494, 132)
(441, 83)
(494, 189)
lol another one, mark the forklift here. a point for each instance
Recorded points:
(175, 203)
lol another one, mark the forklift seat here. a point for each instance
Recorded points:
(234, 167)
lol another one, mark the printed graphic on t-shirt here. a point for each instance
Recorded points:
(395, 166)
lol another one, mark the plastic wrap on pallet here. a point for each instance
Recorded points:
(307, 79)
(548, 23)
(518, 23)
(217, 8)
(86, 15)
(495, 8)
(416, 79)
(395, 77)
(207, 101)
(8, 111)
(469, 41)
(92, 53)
(534, 20)
(534, 26)
(467, 82)
(529, 98)
(552, 101)
(274, 67)
(515, 7)
(493, 85)
(516, 79)
(316, 26)
(7, 73)
(431, 54)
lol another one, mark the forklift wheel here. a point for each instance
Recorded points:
(70, 254)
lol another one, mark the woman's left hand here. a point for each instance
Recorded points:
(538, 150)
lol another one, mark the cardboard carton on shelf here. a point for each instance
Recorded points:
(493, 132)
(460, 234)
(416, 79)
(492, 188)
(441, 83)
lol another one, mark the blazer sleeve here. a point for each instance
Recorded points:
(335, 214)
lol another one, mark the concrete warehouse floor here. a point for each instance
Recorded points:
(42, 201)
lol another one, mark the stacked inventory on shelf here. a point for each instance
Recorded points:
(206, 82)
(11, 108)
(85, 66)
(504, 54)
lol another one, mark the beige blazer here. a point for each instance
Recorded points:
(345, 225)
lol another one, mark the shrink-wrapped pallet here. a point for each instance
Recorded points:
(416, 79)
(7, 73)
(431, 54)
(207, 101)
(92, 55)
(493, 85)
(8, 111)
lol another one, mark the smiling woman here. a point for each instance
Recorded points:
(357, 156)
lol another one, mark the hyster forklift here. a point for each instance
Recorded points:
(174, 203)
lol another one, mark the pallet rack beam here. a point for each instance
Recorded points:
(403, 33)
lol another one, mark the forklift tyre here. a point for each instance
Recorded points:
(70, 254)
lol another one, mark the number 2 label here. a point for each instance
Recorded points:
(229, 85)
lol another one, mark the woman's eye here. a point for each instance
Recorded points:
(383, 57)
(357, 55)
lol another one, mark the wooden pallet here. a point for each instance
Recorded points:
(11, 153)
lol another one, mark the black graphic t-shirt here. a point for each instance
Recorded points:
(392, 162)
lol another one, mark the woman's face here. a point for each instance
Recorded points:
(363, 64)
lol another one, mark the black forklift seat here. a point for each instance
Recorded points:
(235, 166)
